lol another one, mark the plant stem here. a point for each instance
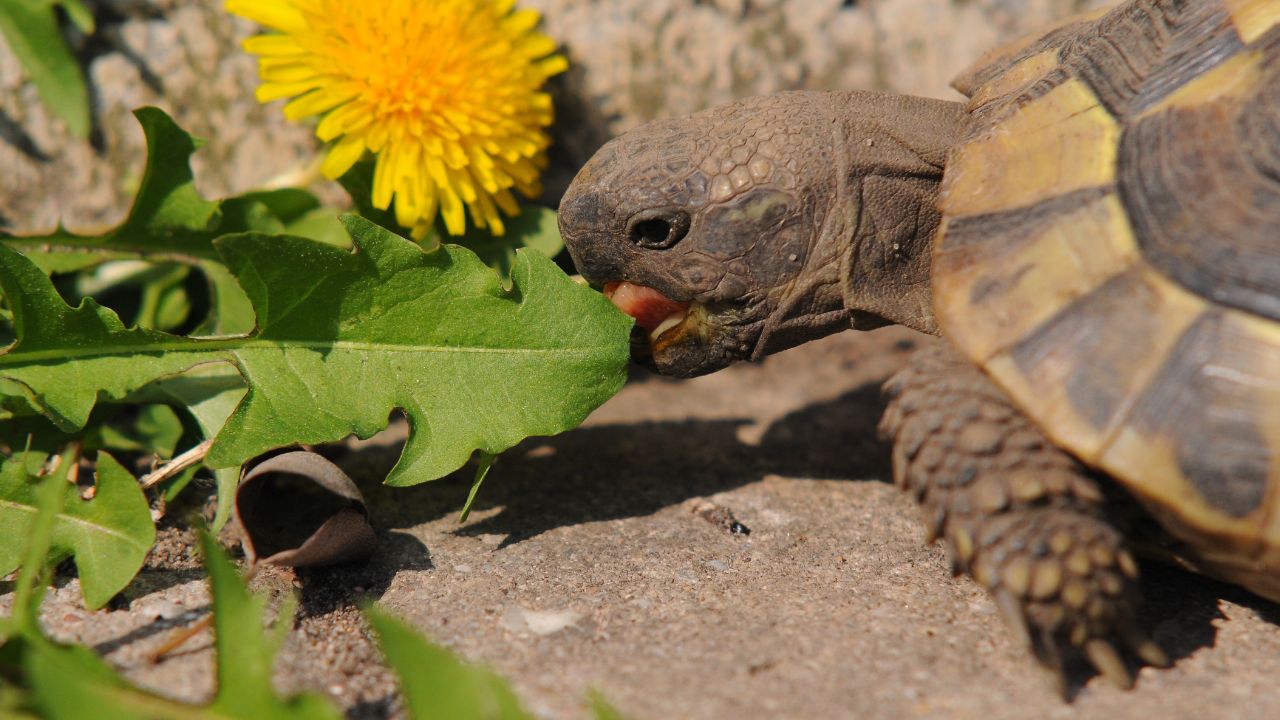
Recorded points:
(177, 465)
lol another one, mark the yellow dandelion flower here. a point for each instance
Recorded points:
(447, 93)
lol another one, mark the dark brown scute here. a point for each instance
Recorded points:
(1122, 50)
(998, 61)
(1015, 226)
(1204, 401)
(1133, 56)
(1202, 186)
(1203, 40)
(1098, 370)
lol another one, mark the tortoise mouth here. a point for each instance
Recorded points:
(657, 316)
(683, 338)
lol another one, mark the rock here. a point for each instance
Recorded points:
(183, 56)
(632, 61)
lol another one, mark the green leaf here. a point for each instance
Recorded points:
(245, 654)
(344, 339)
(68, 357)
(109, 536)
(70, 682)
(231, 313)
(436, 685)
(320, 224)
(160, 288)
(170, 221)
(31, 29)
(39, 528)
(79, 15)
(153, 429)
(600, 708)
(210, 393)
(283, 206)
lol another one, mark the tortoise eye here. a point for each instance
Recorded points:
(658, 228)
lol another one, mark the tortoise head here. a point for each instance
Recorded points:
(732, 233)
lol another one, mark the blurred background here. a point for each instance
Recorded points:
(631, 61)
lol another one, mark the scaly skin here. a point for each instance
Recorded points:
(780, 218)
(1020, 516)
(785, 218)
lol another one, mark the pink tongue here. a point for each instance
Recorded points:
(648, 306)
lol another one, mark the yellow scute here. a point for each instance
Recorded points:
(1063, 141)
(992, 294)
(1252, 18)
(1016, 78)
(1041, 389)
(1235, 78)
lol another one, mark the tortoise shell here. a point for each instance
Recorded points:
(1110, 255)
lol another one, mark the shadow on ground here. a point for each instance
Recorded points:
(615, 471)
(608, 472)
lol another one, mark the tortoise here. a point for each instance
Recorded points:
(1094, 233)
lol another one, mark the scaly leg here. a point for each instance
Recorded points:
(1022, 517)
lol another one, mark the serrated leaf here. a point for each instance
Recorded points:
(66, 357)
(436, 685)
(343, 339)
(210, 393)
(245, 654)
(169, 220)
(31, 29)
(108, 536)
(357, 336)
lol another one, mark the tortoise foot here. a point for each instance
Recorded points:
(1065, 584)
(1021, 517)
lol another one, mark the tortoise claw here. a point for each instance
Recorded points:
(1145, 648)
(1014, 618)
(1104, 656)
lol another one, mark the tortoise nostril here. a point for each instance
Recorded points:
(658, 229)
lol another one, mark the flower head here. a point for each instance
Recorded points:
(447, 93)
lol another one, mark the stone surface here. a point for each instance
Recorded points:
(589, 563)
(586, 566)
(182, 56)
(632, 60)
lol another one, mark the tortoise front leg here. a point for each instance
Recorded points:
(1020, 516)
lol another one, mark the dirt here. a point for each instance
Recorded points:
(601, 559)
(606, 558)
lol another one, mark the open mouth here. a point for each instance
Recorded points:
(654, 312)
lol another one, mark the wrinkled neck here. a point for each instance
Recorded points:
(891, 150)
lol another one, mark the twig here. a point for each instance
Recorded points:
(177, 465)
(180, 638)
(182, 635)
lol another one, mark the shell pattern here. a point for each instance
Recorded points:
(1110, 255)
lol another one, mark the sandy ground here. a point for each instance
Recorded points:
(586, 566)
